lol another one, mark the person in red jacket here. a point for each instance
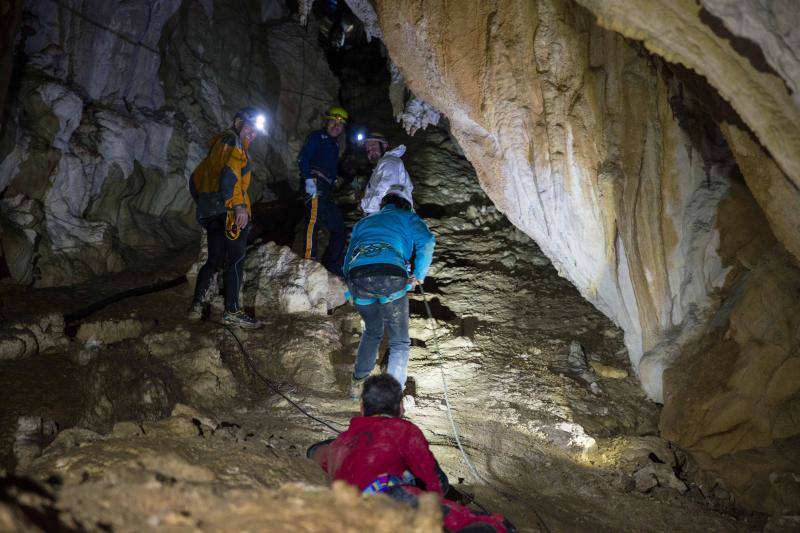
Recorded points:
(381, 453)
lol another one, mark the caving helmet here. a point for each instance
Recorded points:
(339, 114)
(253, 117)
(379, 137)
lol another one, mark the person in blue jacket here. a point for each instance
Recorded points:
(319, 165)
(378, 271)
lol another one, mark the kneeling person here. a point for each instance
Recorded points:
(376, 268)
(382, 453)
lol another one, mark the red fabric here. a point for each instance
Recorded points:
(457, 516)
(375, 445)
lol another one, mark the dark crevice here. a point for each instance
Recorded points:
(743, 46)
(439, 310)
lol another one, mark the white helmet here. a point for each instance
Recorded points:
(402, 191)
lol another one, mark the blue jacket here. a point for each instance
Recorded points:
(319, 158)
(390, 236)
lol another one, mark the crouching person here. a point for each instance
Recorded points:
(381, 453)
(376, 268)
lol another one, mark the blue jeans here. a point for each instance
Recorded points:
(391, 317)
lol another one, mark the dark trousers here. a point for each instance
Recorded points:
(321, 210)
(222, 251)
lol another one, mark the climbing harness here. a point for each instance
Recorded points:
(232, 231)
(271, 384)
(383, 482)
(464, 455)
(371, 250)
(380, 299)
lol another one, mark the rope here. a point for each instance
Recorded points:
(464, 455)
(269, 383)
(471, 467)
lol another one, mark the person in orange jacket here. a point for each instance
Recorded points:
(219, 188)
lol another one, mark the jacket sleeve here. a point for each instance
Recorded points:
(306, 154)
(372, 194)
(232, 160)
(420, 459)
(424, 242)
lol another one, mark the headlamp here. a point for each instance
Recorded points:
(360, 136)
(261, 123)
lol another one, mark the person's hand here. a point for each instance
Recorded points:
(311, 187)
(242, 218)
(414, 281)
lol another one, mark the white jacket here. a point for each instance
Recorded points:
(389, 171)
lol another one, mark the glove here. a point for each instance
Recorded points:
(311, 187)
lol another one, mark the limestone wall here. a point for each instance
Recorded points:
(571, 131)
(653, 156)
(114, 105)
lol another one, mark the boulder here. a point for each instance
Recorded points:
(278, 280)
(39, 334)
(104, 332)
(32, 435)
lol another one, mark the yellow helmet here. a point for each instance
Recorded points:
(339, 114)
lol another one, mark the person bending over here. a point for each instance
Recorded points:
(376, 268)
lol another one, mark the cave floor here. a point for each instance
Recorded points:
(177, 432)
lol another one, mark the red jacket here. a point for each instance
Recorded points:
(376, 445)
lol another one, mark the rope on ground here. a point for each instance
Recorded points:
(471, 466)
(269, 383)
(444, 388)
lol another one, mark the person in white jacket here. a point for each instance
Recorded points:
(389, 170)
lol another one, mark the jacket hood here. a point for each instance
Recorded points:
(397, 152)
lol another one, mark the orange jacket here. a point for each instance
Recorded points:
(220, 181)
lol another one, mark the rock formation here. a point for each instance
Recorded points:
(650, 148)
(666, 205)
(278, 280)
(106, 128)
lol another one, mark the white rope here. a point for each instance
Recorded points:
(471, 467)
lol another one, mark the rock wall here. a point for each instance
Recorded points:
(669, 199)
(572, 134)
(115, 103)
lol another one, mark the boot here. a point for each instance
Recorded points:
(355, 387)
(240, 319)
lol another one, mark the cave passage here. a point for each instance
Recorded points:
(119, 413)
